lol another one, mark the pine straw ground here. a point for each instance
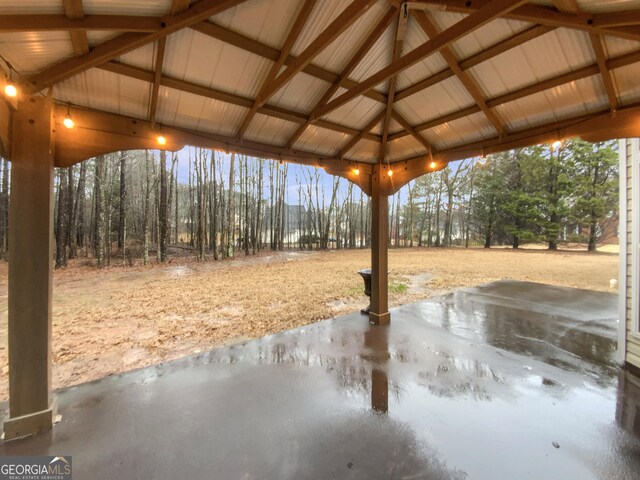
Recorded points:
(120, 318)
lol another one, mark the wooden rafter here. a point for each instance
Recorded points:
(253, 46)
(362, 134)
(566, 6)
(208, 92)
(625, 18)
(597, 23)
(179, 6)
(469, 83)
(74, 11)
(127, 42)
(607, 79)
(76, 22)
(368, 43)
(491, 10)
(347, 17)
(536, 87)
(293, 35)
(157, 75)
(401, 28)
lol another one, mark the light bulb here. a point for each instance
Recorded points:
(68, 122)
(161, 140)
(390, 173)
(556, 145)
(10, 90)
(356, 171)
(432, 165)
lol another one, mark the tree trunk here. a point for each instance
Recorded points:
(122, 223)
(163, 214)
(100, 211)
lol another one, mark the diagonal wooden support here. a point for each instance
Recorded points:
(492, 10)
(469, 84)
(157, 76)
(607, 79)
(293, 35)
(73, 9)
(355, 139)
(373, 37)
(127, 42)
(566, 6)
(401, 28)
(347, 18)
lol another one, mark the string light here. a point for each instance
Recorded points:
(161, 140)
(10, 90)
(68, 121)
(356, 171)
(556, 145)
(432, 165)
(390, 173)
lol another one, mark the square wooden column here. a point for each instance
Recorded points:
(379, 314)
(30, 268)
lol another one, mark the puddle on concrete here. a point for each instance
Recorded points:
(454, 388)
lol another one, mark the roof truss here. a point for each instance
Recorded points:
(139, 31)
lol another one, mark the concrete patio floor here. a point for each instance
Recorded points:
(509, 380)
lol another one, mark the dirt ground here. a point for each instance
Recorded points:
(121, 318)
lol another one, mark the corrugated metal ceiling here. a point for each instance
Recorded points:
(241, 70)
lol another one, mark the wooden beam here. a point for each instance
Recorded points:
(584, 72)
(127, 42)
(208, 92)
(597, 44)
(74, 11)
(492, 9)
(157, 75)
(97, 133)
(73, 23)
(626, 18)
(469, 84)
(476, 59)
(546, 16)
(593, 127)
(368, 43)
(253, 46)
(347, 17)
(566, 6)
(179, 6)
(362, 134)
(401, 28)
(293, 35)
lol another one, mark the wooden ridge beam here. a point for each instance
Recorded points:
(490, 11)
(347, 17)
(207, 92)
(469, 84)
(362, 51)
(127, 42)
(72, 22)
(179, 6)
(294, 33)
(253, 46)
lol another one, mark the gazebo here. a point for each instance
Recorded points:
(376, 91)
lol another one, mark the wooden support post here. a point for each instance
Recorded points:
(31, 408)
(379, 314)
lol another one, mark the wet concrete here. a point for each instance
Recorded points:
(506, 381)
